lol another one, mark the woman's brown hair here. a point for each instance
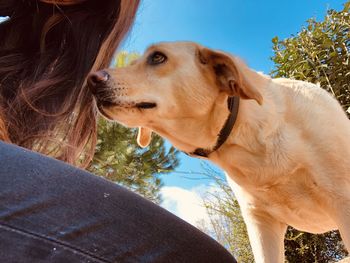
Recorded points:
(46, 52)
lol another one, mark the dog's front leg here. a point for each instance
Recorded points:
(341, 215)
(266, 236)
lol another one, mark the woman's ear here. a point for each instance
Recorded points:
(229, 77)
(144, 137)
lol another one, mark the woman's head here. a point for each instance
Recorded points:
(47, 48)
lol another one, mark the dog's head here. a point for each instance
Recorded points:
(178, 90)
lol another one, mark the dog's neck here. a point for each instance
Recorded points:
(251, 136)
(250, 115)
(233, 106)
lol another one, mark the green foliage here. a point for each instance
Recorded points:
(124, 58)
(226, 222)
(319, 54)
(120, 159)
(309, 248)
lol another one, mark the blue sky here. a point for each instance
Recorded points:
(244, 28)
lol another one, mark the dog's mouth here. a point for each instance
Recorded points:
(107, 109)
(125, 105)
(102, 105)
(145, 105)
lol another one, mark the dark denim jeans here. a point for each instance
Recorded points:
(53, 212)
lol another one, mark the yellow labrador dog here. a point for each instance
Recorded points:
(284, 144)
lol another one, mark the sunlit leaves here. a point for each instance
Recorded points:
(320, 53)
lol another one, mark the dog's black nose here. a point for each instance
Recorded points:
(98, 78)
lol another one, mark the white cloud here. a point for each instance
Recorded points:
(187, 204)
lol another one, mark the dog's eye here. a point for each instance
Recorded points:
(156, 58)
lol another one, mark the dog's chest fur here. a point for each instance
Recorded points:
(287, 191)
(295, 200)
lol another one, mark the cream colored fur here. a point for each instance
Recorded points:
(287, 159)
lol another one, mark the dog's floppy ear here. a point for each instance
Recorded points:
(229, 77)
(144, 137)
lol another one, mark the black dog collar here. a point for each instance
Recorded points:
(233, 104)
